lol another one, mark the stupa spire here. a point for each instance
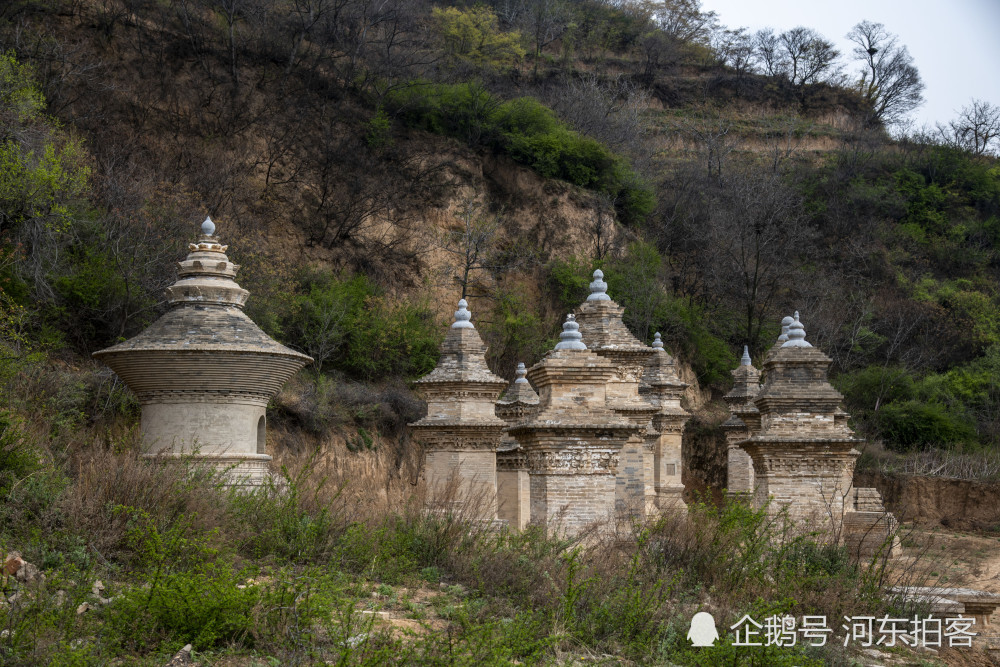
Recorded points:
(598, 288)
(570, 338)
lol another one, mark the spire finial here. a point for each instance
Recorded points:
(786, 322)
(521, 372)
(570, 338)
(208, 227)
(462, 316)
(745, 361)
(796, 334)
(598, 288)
(657, 341)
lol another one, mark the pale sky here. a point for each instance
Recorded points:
(955, 44)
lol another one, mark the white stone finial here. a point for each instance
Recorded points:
(208, 227)
(786, 322)
(462, 316)
(657, 341)
(598, 288)
(745, 361)
(521, 373)
(570, 338)
(796, 334)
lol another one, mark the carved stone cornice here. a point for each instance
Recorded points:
(573, 461)
(458, 437)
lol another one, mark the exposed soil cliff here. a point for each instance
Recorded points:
(953, 503)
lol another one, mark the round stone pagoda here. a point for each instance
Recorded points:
(204, 371)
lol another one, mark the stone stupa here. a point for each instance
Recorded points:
(519, 403)
(605, 333)
(739, 466)
(664, 389)
(803, 453)
(204, 372)
(461, 432)
(572, 442)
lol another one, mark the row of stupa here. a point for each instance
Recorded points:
(601, 436)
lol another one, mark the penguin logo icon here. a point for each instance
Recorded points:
(703, 632)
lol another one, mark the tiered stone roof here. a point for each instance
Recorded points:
(746, 386)
(573, 441)
(204, 342)
(461, 390)
(803, 454)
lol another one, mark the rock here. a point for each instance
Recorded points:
(97, 589)
(13, 563)
(84, 607)
(28, 573)
(356, 640)
(182, 657)
(383, 615)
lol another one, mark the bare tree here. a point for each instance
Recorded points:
(757, 233)
(890, 84)
(609, 110)
(478, 244)
(736, 49)
(547, 21)
(767, 52)
(712, 137)
(809, 57)
(683, 20)
(976, 127)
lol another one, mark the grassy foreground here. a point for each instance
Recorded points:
(291, 574)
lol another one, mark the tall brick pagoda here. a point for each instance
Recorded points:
(461, 432)
(605, 333)
(572, 443)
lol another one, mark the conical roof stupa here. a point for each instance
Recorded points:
(204, 372)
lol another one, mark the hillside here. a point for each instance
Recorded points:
(368, 164)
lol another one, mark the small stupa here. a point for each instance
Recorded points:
(572, 442)
(803, 455)
(664, 390)
(746, 386)
(518, 403)
(461, 432)
(601, 325)
(204, 372)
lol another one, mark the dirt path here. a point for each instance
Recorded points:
(945, 557)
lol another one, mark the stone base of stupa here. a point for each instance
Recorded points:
(250, 471)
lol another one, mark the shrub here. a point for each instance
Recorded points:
(18, 458)
(914, 424)
(296, 519)
(348, 324)
(530, 133)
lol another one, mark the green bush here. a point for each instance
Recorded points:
(18, 458)
(347, 324)
(530, 133)
(286, 520)
(912, 424)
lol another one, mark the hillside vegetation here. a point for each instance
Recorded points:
(369, 163)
